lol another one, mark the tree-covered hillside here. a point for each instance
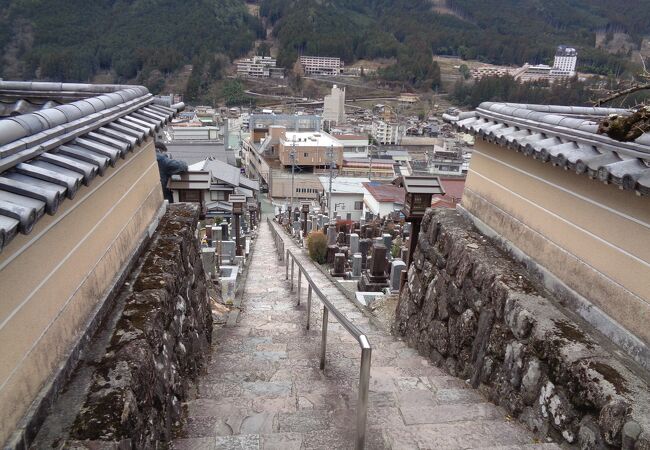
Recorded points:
(495, 31)
(72, 40)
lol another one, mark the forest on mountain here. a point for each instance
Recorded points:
(73, 40)
(494, 31)
(149, 41)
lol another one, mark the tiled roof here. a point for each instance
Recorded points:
(566, 137)
(383, 192)
(47, 154)
(454, 188)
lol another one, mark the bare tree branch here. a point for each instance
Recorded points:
(618, 94)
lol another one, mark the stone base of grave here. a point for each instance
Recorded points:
(369, 283)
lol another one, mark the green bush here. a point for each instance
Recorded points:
(317, 246)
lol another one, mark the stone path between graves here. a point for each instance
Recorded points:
(264, 389)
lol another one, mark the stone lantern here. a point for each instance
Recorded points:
(237, 202)
(419, 192)
(304, 208)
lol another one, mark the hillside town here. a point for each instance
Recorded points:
(300, 243)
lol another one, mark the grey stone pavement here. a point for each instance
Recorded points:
(264, 389)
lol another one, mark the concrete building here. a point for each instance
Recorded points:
(334, 107)
(80, 196)
(354, 145)
(387, 132)
(321, 65)
(270, 161)
(382, 198)
(372, 168)
(259, 124)
(311, 148)
(407, 97)
(491, 71)
(259, 67)
(347, 196)
(306, 185)
(566, 59)
(588, 236)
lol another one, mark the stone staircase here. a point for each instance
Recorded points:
(264, 389)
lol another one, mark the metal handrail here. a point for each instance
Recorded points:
(362, 339)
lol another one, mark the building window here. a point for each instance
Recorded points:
(189, 196)
(306, 155)
(358, 206)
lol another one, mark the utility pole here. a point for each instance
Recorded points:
(292, 157)
(330, 156)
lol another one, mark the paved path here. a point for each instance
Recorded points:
(264, 388)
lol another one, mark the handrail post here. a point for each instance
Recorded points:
(286, 268)
(364, 384)
(308, 305)
(293, 260)
(323, 340)
(299, 279)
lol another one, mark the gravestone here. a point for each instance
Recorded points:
(388, 241)
(338, 270)
(396, 268)
(374, 279)
(406, 231)
(331, 235)
(208, 235)
(404, 254)
(364, 249)
(228, 249)
(332, 250)
(224, 231)
(356, 265)
(340, 238)
(354, 243)
(209, 261)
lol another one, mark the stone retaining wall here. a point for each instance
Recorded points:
(477, 313)
(158, 347)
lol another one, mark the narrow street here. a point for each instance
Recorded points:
(264, 389)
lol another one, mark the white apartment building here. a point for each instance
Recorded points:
(259, 67)
(334, 106)
(386, 133)
(321, 65)
(566, 59)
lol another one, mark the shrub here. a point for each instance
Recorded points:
(317, 246)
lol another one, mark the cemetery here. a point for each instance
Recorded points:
(366, 257)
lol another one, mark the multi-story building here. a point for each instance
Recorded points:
(490, 71)
(259, 67)
(407, 97)
(334, 106)
(354, 145)
(259, 124)
(566, 59)
(321, 65)
(386, 132)
(311, 148)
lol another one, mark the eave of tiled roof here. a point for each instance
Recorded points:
(565, 137)
(46, 155)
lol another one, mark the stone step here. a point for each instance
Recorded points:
(546, 446)
(450, 413)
